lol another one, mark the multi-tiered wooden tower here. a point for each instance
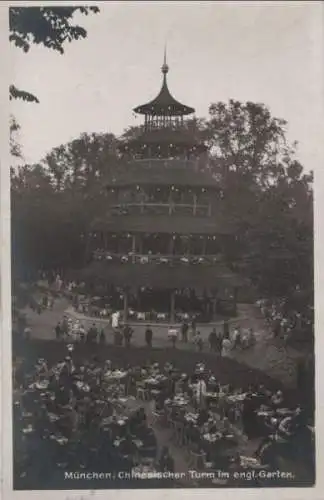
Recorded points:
(164, 245)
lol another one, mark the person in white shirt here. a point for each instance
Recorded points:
(115, 320)
(236, 337)
(173, 335)
(226, 347)
(200, 391)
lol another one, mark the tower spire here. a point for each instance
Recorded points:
(165, 67)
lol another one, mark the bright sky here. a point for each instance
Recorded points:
(258, 51)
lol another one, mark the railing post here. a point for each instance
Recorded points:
(195, 204)
(133, 247)
(204, 245)
(125, 306)
(172, 306)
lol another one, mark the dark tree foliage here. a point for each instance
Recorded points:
(15, 148)
(51, 27)
(266, 193)
(48, 26)
(55, 201)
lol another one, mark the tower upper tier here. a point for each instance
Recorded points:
(164, 104)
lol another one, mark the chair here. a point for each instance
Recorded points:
(169, 416)
(179, 432)
(158, 418)
(197, 460)
(142, 394)
(154, 393)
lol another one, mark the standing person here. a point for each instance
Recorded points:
(184, 331)
(219, 342)
(148, 336)
(173, 335)
(45, 301)
(198, 341)
(276, 326)
(236, 338)
(193, 326)
(82, 333)
(27, 332)
(128, 333)
(102, 337)
(212, 339)
(58, 331)
(65, 327)
(115, 320)
(226, 328)
(166, 462)
(226, 347)
(200, 391)
(92, 334)
(51, 302)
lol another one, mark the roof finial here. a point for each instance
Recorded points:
(165, 67)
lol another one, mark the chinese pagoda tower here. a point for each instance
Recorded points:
(163, 247)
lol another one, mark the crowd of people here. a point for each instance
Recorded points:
(222, 340)
(84, 414)
(91, 413)
(284, 320)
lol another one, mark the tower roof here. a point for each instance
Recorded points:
(164, 103)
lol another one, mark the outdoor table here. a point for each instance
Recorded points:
(52, 417)
(284, 411)
(28, 430)
(212, 396)
(26, 414)
(179, 401)
(251, 463)
(217, 437)
(82, 386)
(191, 418)
(41, 385)
(114, 375)
(61, 440)
(143, 469)
(236, 398)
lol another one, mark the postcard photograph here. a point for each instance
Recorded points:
(162, 270)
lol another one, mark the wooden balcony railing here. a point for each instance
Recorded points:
(161, 209)
(164, 162)
(166, 259)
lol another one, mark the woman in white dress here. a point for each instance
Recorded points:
(226, 347)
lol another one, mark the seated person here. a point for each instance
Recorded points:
(277, 400)
(166, 462)
(266, 451)
(127, 447)
(137, 422)
(160, 400)
(202, 417)
(149, 440)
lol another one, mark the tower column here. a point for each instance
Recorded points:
(204, 245)
(171, 245)
(133, 247)
(105, 240)
(235, 293)
(214, 307)
(194, 204)
(172, 306)
(125, 306)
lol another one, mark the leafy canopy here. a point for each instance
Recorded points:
(51, 27)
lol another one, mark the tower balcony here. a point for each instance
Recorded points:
(165, 163)
(147, 208)
(150, 259)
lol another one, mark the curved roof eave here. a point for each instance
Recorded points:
(164, 103)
